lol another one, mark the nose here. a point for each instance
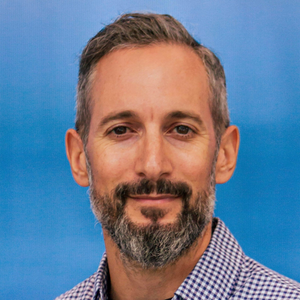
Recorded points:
(153, 161)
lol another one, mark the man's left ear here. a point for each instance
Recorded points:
(227, 155)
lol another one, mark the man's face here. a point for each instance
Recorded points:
(151, 122)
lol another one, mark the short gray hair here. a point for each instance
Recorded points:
(137, 30)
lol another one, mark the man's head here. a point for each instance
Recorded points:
(153, 136)
(140, 30)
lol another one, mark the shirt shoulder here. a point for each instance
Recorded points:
(259, 282)
(83, 290)
(225, 272)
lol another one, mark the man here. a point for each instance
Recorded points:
(152, 139)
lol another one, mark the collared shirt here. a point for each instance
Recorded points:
(222, 272)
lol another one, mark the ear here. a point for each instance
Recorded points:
(76, 157)
(227, 155)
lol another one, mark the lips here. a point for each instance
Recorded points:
(153, 199)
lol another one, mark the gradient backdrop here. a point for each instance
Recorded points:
(49, 240)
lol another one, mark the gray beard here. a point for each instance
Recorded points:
(154, 245)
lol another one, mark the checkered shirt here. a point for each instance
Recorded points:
(223, 272)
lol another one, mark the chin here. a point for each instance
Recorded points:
(157, 236)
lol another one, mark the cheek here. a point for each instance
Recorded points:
(110, 167)
(195, 168)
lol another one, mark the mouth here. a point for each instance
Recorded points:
(154, 199)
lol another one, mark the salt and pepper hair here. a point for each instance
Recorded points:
(137, 30)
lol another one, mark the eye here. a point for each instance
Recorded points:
(120, 130)
(183, 130)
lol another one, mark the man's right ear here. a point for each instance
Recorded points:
(76, 157)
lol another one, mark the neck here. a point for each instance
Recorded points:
(130, 281)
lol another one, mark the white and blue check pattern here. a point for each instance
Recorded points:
(223, 272)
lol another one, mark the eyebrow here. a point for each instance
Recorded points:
(127, 114)
(185, 115)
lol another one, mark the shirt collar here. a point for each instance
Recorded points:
(101, 282)
(216, 273)
(214, 276)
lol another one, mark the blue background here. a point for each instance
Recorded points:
(49, 239)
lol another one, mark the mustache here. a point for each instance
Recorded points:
(146, 187)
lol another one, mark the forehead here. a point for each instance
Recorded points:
(151, 77)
